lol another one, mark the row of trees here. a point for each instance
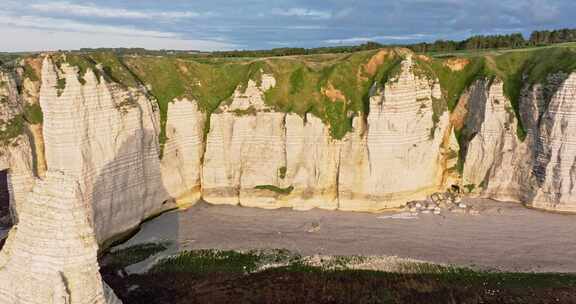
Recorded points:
(550, 37)
(299, 51)
(516, 40)
(472, 43)
(481, 42)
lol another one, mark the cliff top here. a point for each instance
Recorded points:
(333, 87)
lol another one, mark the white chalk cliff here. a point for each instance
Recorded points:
(106, 136)
(540, 171)
(50, 255)
(395, 156)
(97, 170)
(15, 150)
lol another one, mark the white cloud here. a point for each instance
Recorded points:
(303, 13)
(74, 26)
(34, 33)
(26, 39)
(91, 10)
(375, 38)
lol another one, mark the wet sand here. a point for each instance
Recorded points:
(505, 236)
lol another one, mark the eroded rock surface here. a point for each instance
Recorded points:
(249, 153)
(98, 169)
(50, 255)
(395, 156)
(106, 137)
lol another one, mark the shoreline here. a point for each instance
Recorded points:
(504, 236)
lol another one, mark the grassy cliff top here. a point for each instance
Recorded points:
(333, 87)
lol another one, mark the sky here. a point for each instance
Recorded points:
(36, 25)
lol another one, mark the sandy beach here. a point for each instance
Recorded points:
(504, 236)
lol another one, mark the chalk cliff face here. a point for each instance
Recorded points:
(538, 171)
(398, 139)
(97, 167)
(245, 148)
(51, 256)
(555, 151)
(106, 136)
(270, 159)
(15, 149)
(183, 151)
(497, 162)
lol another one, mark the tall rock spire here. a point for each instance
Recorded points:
(51, 254)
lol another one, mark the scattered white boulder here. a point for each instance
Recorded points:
(439, 202)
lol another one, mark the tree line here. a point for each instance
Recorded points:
(510, 41)
(298, 51)
(480, 42)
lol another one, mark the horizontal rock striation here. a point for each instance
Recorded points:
(106, 137)
(554, 167)
(247, 152)
(395, 156)
(183, 151)
(272, 159)
(537, 171)
(51, 255)
(16, 153)
(98, 171)
(245, 149)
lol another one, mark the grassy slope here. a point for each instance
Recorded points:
(303, 81)
(516, 68)
(300, 83)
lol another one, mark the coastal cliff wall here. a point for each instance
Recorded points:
(538, 171)
(134, 156)
(106, 137)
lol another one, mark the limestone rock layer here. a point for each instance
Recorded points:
(106, 136)
(50, 256)
(538, 171)
(97, 167)
(399, 139)
(404, 147)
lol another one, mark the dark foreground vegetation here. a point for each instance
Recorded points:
(208, 276)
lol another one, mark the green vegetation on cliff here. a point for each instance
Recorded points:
(11, 129)
(524, 69)
(454, 79)
(517, 70)
(30, 73)
(207, 83)
(33, 113)
(336, 87)
(102, 64)
(333, 87)
(114, 69)
(276, 189)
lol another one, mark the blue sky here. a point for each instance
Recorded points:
(252, 24)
